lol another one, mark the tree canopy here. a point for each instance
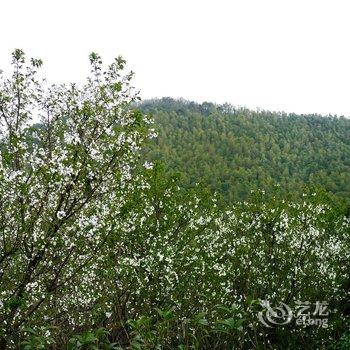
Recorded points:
(234, 150)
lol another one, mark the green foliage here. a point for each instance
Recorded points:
(92, 340)
(234, 150)
(343, 343)
(39, 339)
(200, 286)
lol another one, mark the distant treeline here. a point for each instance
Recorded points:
(234, 150)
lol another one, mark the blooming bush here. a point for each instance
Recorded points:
(210, 270)
(62, 184)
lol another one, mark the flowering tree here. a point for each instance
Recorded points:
(187, 272)
(62, 184)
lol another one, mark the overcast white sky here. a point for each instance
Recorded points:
(291, 55)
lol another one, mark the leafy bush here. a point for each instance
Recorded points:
(220, 265)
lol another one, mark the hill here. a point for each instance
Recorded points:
(234, 150)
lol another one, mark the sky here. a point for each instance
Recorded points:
(282, 55)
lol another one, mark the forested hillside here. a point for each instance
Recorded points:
(233, 150)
